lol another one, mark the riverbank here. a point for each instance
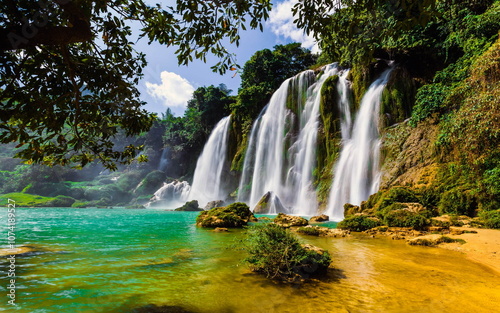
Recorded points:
(482, 247)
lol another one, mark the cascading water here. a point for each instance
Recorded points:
(281, 153)
(171, 194)
(207, 181)
(356, 174)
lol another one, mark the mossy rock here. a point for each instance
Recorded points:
(285, 220)
(398, 98)
(189, 206)
(358, 223)
(235, 215)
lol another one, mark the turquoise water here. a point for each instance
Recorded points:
(117, 260)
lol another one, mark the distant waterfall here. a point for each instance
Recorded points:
(207, 181)
(281, 153)
(356, 174)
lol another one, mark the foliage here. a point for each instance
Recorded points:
(358, 223)
(311, 231)
(265, 72)
(73, 87)
(395, 195)
(61, 201)
(234, 215)
(460, 200)
(277, 253)
(491, 219)
(152, 182)
(25, 200)
(185, 136)
(405, 218)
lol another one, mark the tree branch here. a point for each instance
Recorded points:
(39, 33)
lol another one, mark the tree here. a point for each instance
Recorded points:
(265, 72)
(69, 69)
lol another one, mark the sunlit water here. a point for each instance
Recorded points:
(116, 260)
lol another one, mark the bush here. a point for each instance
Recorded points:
(311, 231)
(405, 218)
(459, 201)
(151, 183)
(358, 223)
(397, 194)
(278, 254)
(491, 219)
(62, 201)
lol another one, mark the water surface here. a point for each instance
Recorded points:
(116, 260)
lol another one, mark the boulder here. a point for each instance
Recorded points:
(350, 209)
(232, 216)
(317, 219)
(285, 220)
(190, 206)
(214, 204)
(269, 204)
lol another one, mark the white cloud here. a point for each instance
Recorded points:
(281, 23)
(174, 90)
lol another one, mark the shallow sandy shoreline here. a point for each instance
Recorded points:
(482, 247)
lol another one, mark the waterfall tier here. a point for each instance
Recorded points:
(281, 154)
(356, 173)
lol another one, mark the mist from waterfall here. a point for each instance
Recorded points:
(281, 153)
(356, 173)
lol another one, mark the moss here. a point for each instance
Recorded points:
(398, 98)
(25, 200)
(234, 215)
(461, 200)
(311, 231)
(490, 219)
(358, 223)
(405, 218)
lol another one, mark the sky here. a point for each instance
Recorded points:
(168, 85)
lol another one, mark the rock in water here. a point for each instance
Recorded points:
(214, 204)
(321, 218)
(269, 204)
(285, 220)
(190, 206)
(232, 216)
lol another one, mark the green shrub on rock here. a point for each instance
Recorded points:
(234, 215)
(278, 254)
(491, 219)
(405, 218)
(308, 230)
(189, 206)
(358, 223)
(460, 201)
(61, 201)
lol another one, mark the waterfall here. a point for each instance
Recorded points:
(356, 173)
(207, 181)
(281, 153)
(171, 194)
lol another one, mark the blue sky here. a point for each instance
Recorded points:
(165, 84)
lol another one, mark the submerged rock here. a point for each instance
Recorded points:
(269, 203)
(285, 220)
(232, 216)
(190, 206)
(214, 204)
(320, 218)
